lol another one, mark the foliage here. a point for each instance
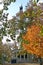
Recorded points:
(4, 49)
(36, 44)
(34, 33)
(33, 36)
(30, 34)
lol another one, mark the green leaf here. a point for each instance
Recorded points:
(26, 42)
(12, 0)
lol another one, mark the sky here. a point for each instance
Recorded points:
(14, 7)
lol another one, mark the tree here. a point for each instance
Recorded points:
(35, 45)
(4, 49)
(33, 39)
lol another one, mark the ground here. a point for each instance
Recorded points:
(23, 64)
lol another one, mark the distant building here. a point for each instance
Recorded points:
(20, 13)
(23, 58)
